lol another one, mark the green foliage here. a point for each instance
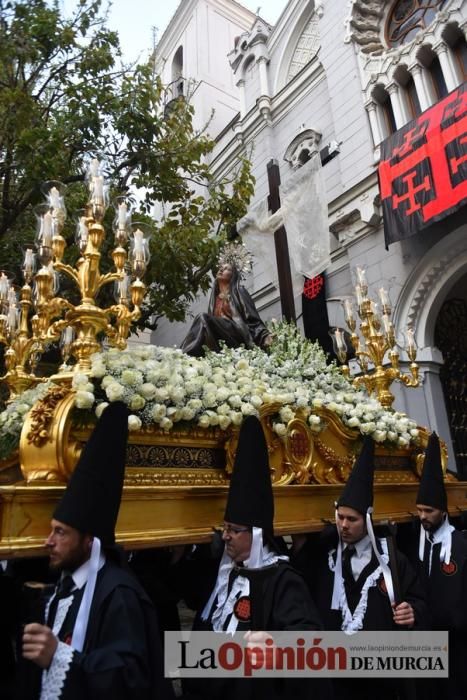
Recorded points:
(64, 94)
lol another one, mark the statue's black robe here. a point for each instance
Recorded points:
(313, 561)
(121, 657)
(281, 602)
(446, 591)
(244, 328)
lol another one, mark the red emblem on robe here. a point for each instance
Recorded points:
(449, 569)
(242, 609)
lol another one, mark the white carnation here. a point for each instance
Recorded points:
(84, 399)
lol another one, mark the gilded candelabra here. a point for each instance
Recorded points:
(377, 338)
(41, 316)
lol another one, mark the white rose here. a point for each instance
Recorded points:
(101, 408)
(235, 401)
(158, 412)
(80, 379)
(203, 421)
(379, 435)
(98, 370)
(367, 428)
(177, 394)
(280, 429)
(161, 394)
(148, 390)
(415, 432)
(137, 402)
(402, 442)
(317, 403)
(286, 414)
(242, 364)
(236, 417)
(166, 424)
(108, 379)
(209, 400)
(187, 413)
(224, 422)
(353, 422)
(115, 391)
(392, 436)
(134, 423)
(84, 399)
(248, 409)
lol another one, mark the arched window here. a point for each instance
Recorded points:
(408, 17)
(382, 98)
(177, 73)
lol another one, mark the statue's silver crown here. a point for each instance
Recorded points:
(237, 255)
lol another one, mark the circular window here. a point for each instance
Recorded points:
(408, 17)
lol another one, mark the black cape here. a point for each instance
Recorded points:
(282, 602)
(446, 590)
(313, 561)
(121, 657)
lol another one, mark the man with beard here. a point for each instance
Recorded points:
(442, 563)
(100, 638)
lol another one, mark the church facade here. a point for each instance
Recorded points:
(342, 80)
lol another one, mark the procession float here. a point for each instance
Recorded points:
(185, 411)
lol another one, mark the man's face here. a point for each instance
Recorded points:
(68, 548)
(237, 540)
(430, 518)
(225, 273)
(351, 525)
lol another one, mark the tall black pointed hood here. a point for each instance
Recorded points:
(250, 501)
(431, 491)
(92, 498)
(358, 491)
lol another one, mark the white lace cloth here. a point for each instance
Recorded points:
(352, 623)
(53, 678)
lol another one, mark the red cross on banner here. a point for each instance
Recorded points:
(423, 168)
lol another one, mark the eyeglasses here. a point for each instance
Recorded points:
(229, 530)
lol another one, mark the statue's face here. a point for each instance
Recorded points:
(225, 272)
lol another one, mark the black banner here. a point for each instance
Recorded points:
(423, 168)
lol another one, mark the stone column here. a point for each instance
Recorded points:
(421, 87)
(371, 109)
(447, 67)
(393, 90)
(263, 75)
(242, 97)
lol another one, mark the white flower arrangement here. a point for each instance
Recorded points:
(12, 418)
(164, 387)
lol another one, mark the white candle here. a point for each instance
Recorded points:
(46, 229)
(340, 342)
(387, 325)
(54, 198)
(384, 297)
(82, 229)
(94, 168)
(123, 287)
(410, 334)
(12, 296)
(361, 276)
(4, 287)
(348, 310)
(138, 245)
(359, 294)
(12, 317)
(122, 215)
(28, 261)
(68, 336)
(98, 191)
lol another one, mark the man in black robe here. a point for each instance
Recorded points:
(352, 580)
(256, 590)
(440, 551)
(100, 638)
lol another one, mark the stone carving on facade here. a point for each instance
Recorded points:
(307, 47)
(302, 147)
(244, 44)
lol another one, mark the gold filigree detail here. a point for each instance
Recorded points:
(42, 415)
(172, 477)
(339, 467)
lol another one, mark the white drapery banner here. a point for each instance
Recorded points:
(304, 214)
